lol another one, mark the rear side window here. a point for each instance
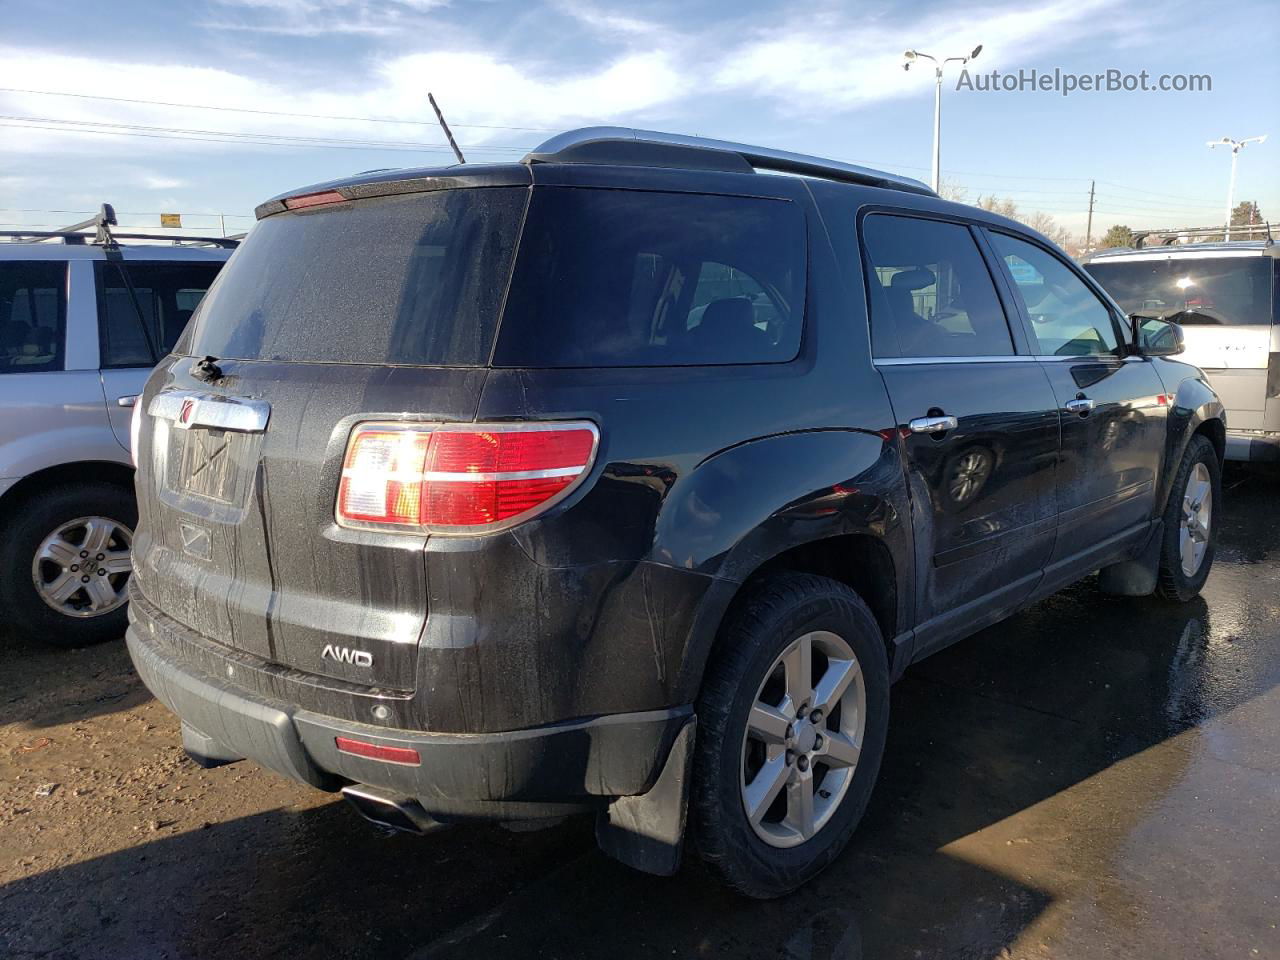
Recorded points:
(410, 279)
(931, 292)
(33, 312)
(1067, 318)
(1204, 291)
(167, 296)
(622, 278)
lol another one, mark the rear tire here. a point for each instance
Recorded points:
(747, 755)
(29, 527)
(1191, 522)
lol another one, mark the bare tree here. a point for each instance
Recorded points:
(1037, 220)
(953, 190)
(1005, 207)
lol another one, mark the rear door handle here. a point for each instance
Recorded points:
(933, 424)
(1080, 405)
(128, 401)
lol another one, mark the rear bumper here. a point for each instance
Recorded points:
(493, 775)
(1255, 447)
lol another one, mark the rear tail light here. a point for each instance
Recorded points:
(466, 479)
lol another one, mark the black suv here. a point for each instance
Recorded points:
(626, 479)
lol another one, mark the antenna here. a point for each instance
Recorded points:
(445, 127)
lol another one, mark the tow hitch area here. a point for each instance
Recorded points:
(391, 811)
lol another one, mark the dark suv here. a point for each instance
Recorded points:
(626, 479)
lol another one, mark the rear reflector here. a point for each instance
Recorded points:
(471, 479)
(313, 199)
(374, 751)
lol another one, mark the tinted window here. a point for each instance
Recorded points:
(33, 308)
(167, 295)
(1210, 290)
(619, 278)
(931, 292)
(1067, 318)
(410, 279)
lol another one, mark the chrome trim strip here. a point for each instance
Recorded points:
(444, 476)
(186, 409)
(918, 361)
(1018, 358)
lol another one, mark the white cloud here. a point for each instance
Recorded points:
(473, 88)
(155, 181)
(809, 62)
(313, 18)
(834, 61)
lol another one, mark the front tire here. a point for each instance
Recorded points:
(65, 564)
(1190, 522)
(791, 730)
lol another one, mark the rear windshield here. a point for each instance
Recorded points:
(1202, 290)
(411, 279)
(624, 278)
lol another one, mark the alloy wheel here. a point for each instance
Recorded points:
(1197, 517)
(803, 737)
(82, 568)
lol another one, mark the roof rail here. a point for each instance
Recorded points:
(624, 145)
(101, 224)
(65, 236)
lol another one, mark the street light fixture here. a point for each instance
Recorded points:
(910, 57)
(1236, 146)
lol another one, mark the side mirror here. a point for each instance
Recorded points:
(1156, 337)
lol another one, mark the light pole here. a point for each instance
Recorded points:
(910, 57)
(1236, 146)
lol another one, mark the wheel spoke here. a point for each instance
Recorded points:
(97, 533)
(768, 723)
(839, 750)
(1188, 553)
(101, 593)
(60, 552)
(800, 805)
(61, 589)
(798, 665)
(118, 561)
(763, 790)
(834, 682)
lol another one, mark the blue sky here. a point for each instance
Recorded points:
(822, 78)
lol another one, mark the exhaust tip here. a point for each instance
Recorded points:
(403, 814)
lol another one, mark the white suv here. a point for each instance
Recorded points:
(83, 319)
(1226, 297)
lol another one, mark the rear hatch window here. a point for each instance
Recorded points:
(627, 278)
(603, 278)
(415, 279)
(1207, 291)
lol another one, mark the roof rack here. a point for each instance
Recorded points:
(1169, 237)
(101, 224)
(624, 145)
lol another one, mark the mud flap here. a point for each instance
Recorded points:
(1135, 578)
(205, 750)
(647, 832)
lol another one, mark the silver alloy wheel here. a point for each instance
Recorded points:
(1197, 516)
(82, 568)
(803, 737)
